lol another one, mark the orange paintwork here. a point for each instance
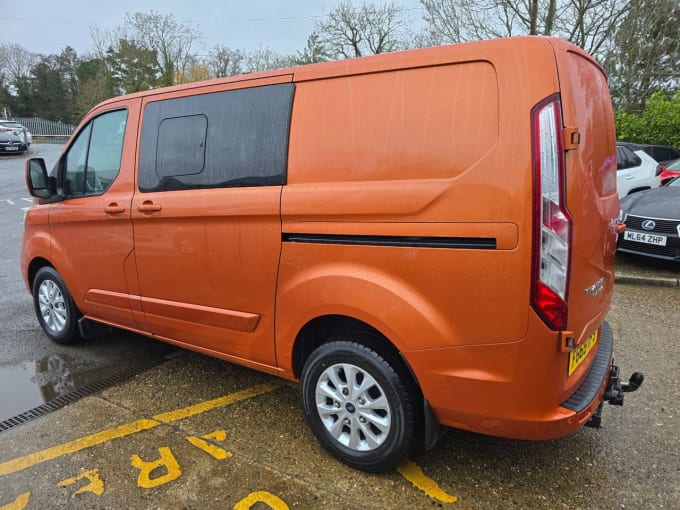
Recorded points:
(432, 143)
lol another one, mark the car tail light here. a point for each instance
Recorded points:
(552, 221)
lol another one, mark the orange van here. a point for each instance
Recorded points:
(422, 238)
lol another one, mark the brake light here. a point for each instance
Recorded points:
(552, 221)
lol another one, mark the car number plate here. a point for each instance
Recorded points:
(581, 351)
(643, 237)
(12, 148)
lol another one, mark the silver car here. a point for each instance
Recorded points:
(10, 126)
(11, 143)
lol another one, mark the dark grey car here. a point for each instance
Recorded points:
(652, 221)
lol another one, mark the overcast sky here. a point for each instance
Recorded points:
(47, 26)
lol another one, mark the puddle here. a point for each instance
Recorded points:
(25, 386)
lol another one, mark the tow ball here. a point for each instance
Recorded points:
(614, 393)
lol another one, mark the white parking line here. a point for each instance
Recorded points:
(27, 199)
(10, 202)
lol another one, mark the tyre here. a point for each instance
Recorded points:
(360, 409)
(54, 306)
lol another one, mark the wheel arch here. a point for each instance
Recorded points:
(327, 328)
(34, 266)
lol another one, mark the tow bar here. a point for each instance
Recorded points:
(614, 393)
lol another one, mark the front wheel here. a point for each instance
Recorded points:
(54, 306)
(357, 405)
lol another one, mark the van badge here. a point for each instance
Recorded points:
(649, 224)
(596, 288)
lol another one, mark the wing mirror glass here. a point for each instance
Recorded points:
(38, 183)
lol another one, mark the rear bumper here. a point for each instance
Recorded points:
(595, 382)
(515, 406)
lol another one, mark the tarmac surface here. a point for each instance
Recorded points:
(199, 433)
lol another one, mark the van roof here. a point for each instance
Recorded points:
(421, 57)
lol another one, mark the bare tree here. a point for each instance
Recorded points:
(16, 62)
(266, 59)
(171, 39)
(369, 29)
(223, 61)
(587, 23)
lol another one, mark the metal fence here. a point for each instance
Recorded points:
(46, 131)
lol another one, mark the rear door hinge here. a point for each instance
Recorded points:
(571, 138)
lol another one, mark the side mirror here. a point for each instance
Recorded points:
(37, 182)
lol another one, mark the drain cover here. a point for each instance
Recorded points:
(86, 390)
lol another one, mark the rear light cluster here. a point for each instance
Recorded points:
(552, 222)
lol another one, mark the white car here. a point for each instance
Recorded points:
(10, 126)
(635, 170)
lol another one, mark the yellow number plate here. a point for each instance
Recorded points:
(580, 353)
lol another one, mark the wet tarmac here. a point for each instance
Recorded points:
(34, 370)
(198, 433)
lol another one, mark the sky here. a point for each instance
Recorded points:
(47, 26)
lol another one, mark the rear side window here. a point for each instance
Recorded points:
(222, 139)
(664, 154)
(626, 158)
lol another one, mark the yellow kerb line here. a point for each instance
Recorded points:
(18, 464)
(412, 472)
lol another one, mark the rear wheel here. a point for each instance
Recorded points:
(357, 405)
(54, 306)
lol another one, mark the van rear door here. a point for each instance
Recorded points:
(591, 197)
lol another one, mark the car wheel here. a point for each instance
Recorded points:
(54, 306)
(360, 409)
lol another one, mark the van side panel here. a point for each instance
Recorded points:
(207, 224)
(382, 163)
(399, 125)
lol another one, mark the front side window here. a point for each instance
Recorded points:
(93, 161)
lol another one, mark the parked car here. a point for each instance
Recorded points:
(10, 126)
(9, 142)
(635, 170)
(663, 154)
(670, 172)
(652, 221)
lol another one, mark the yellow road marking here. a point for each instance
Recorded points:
(167, 460)
(20, 463)
(19, 503)
(180, 414)
(95, 485)
(12, 466)
(271, 500)
(211, 449)
(412, 472)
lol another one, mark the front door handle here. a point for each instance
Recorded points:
(114, 208)
(149, 206)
